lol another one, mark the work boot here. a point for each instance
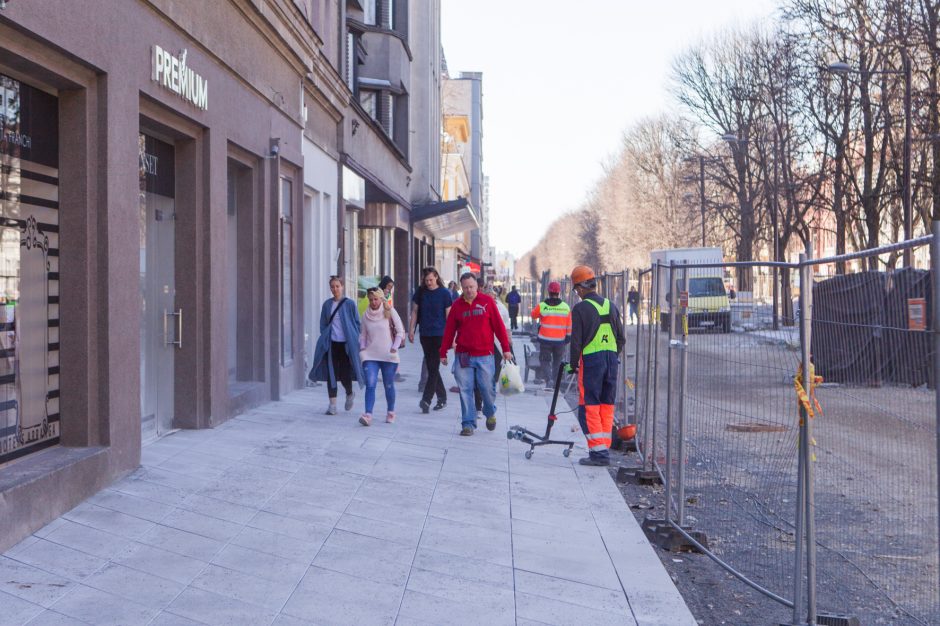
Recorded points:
(594, 461)
(491, 423)
(466, 431)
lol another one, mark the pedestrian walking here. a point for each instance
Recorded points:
(596, 341)
(633, 301)
(554, 316)
(429, 309)
(336, 357)
(387, 285)
(474, 321)
(452, 288)
(382, 335)
(513, 300)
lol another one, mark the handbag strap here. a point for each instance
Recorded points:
(336, 310)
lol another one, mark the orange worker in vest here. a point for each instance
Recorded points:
(554, 316)
(596, 341)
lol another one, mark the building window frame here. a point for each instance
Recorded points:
(286, 202)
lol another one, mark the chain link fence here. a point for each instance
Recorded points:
(846, 524)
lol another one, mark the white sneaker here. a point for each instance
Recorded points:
(331, 410)
(349, 400)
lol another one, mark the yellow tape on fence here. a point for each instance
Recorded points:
(806, 399)
(629, 384)
(655, 313)
(685, 325)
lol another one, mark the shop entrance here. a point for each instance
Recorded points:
(161, 320)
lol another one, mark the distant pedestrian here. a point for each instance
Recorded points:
(474, 321)
(379, 342)
(429, 309)
(513, 300)
(554, 316)
(387, 285)
(452, 288)
(633, 301)
(336, 357)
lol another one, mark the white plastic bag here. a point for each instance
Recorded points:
(510, 379)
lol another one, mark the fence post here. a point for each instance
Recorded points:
(805, 284)
(654, 355)
(636, 353)
(935, 339)
(682, 345)
(806, 317)
(670, 388)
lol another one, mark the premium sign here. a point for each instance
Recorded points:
(171, 72)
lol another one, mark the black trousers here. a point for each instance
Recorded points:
(513, 314)
(342, 369)
(551, 354)
(432, 358)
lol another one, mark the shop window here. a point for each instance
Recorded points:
(29, 270)
(287, 274)
(242, 262)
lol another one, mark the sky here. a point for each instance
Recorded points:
(562, 81)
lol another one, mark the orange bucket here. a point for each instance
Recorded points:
(627, 432)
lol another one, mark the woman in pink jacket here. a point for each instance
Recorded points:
(381, 337)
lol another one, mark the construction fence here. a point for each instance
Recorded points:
(816, 486)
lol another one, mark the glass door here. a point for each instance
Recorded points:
(161, 321)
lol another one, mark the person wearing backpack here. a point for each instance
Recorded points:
(336, 357)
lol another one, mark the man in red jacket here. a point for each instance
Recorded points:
(475, 320)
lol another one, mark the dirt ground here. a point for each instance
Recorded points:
(874, 473)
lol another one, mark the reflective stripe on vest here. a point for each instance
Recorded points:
(555, 321)
(604, 337)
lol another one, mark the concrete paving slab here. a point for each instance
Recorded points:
(337, 598)
(16, 610)
(100, 607)
(58, 559)
(31, 583)
(134, 585)
(211, 608)
(52, 618)
(162, 563)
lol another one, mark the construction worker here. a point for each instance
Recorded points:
(596, 341)
(554, 316)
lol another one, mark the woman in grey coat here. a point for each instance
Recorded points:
(336, 358)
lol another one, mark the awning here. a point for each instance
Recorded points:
(443, 219)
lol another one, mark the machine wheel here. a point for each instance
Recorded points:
(528, 454)
(567, 452)
(509, 434)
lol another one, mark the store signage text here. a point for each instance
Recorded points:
(171, 72)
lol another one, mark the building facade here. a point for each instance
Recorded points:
(178, 181)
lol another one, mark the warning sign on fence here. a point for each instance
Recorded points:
(684, 299)
(917, 314)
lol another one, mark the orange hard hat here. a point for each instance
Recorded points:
(627, 432)
(581, 273)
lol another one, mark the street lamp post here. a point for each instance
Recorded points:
(701, 187)
(842, 67)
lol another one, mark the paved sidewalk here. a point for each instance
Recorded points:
(288, 516)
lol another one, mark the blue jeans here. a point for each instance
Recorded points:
(371, 370)
(477, 375)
